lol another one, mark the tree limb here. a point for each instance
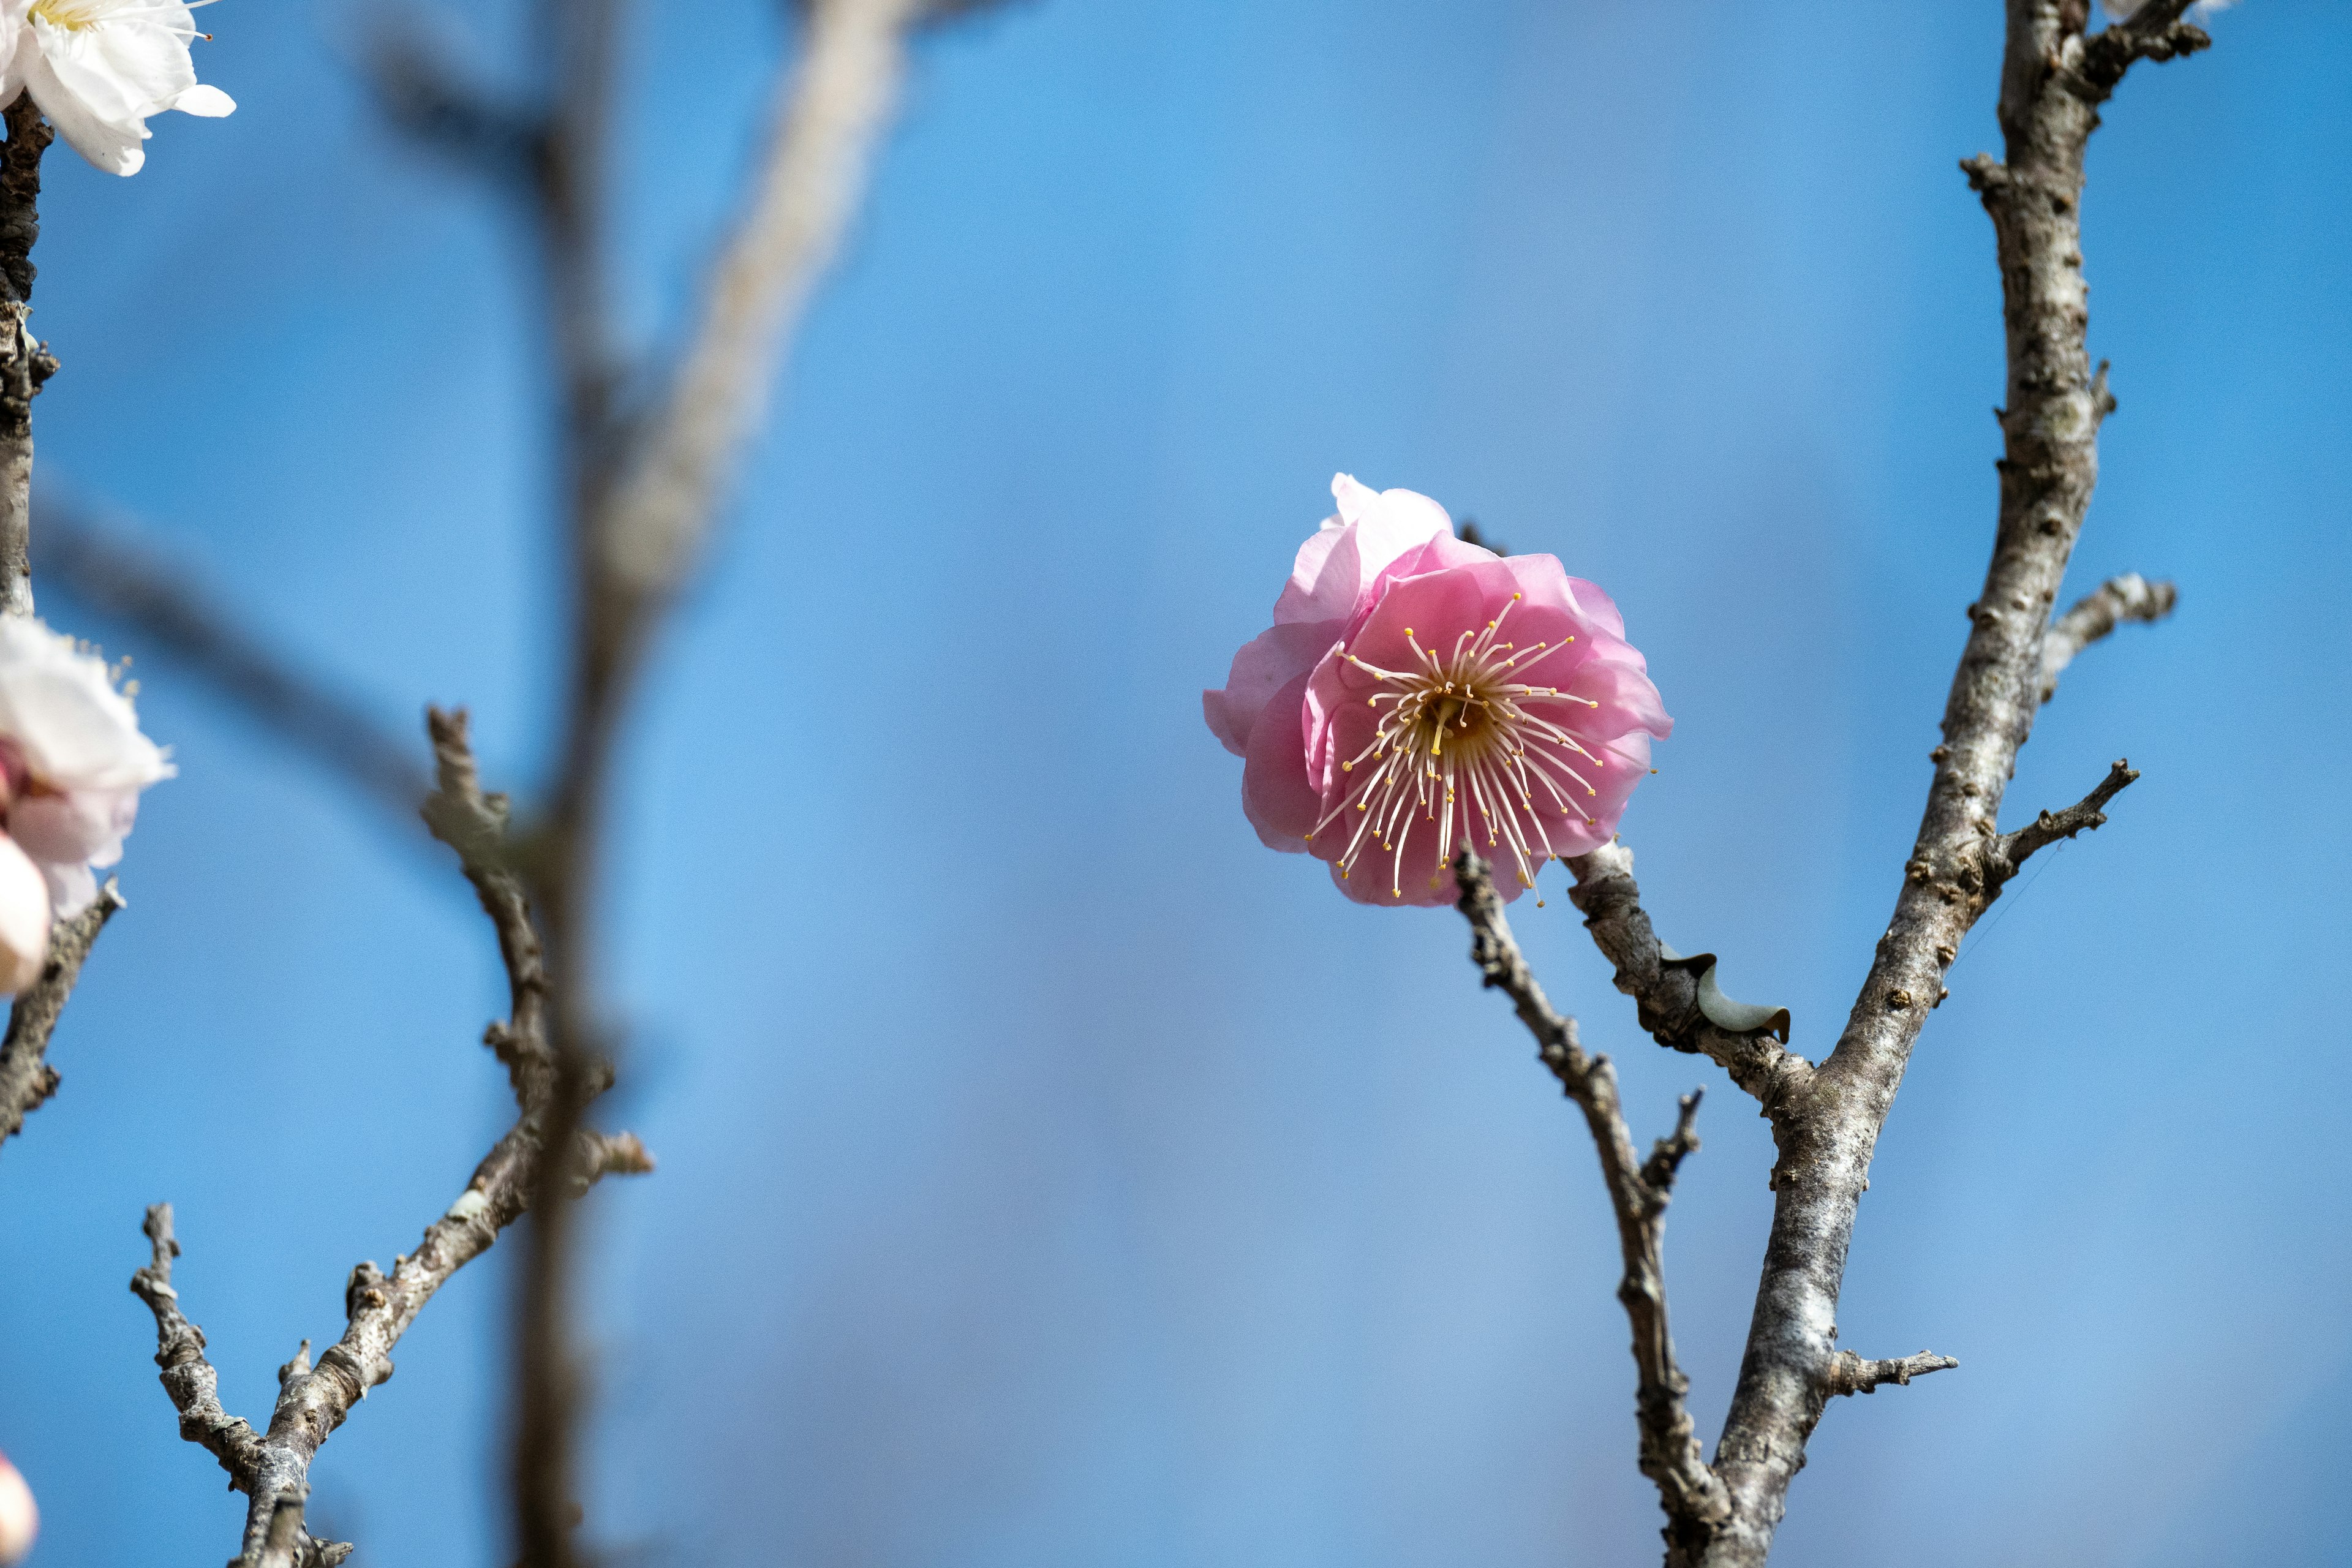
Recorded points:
(26, 1078)
(25, 362)
(1694, 1499)
(2130, 597)
(2051, 82)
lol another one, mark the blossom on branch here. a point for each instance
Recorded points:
(97, 68)
(1417, 695)
(72, 763)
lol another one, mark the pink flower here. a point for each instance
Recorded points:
(1417, 695)
(72, 764)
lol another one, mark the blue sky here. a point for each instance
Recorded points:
(1050, 1175)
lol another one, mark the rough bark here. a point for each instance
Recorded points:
(24, 362)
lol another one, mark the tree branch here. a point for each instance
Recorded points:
(2008, 852)
(1850, 1374)
(1666, 991)
(2051, 82)
(27, 1079)
(313, 1400)
(24, 362)
(1694, 1499)
(159, 601)
(2153, 32)
(2130, 597)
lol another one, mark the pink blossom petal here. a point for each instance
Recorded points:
(1266, 663)
(1276, 796)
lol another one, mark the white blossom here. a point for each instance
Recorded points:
(97, 68)
(72, 760)
(19, 1520)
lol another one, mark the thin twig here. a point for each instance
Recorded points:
(2011, 850)
(2130, 597)
(1851, 1374)
(1693, 1498)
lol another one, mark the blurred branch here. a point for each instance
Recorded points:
(313, 1400)
(1693, 1498)
(25, 1077)
(640, 523)
(2130, 597)
(120, 581)
(422, 93)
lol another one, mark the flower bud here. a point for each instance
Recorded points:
(24, 943)
(20, 1521)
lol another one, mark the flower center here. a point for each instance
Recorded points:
(1465, 729)
(80, 16)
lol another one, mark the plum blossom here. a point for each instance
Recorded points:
(72, 763)
(97, 68)
(1417, 695)
(20, 1519)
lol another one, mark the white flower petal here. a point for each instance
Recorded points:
(208, 101)
(24, 918)
(110, 146)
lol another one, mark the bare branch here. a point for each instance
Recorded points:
(2051, 82)
(26, 1078)
(313, 1400)
(1693, 1498)
(1851, 1374)
(283, 1541)
(2130, 597)
(1665, 990)
(24, 362)
(159, 601)
(1666, 1155)
(188, 1377)
(828, 116)
(2153, 32)
(2011, 849)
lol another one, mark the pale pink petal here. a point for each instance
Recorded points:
(1276, 796)
(24, 936)
(1266, 663)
